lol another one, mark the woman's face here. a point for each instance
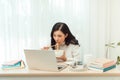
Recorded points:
(59, 36)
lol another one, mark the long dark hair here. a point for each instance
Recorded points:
(64, 28)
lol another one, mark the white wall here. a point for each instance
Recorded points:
(105, 16)
(115, 26)
(27, 24)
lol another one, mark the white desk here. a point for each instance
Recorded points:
(24, 74)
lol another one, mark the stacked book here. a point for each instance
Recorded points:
(14, 64)
(102, 64)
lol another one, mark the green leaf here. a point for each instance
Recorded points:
(118, 43)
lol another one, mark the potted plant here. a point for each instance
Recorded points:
(113, 45)
(118, 43)
(109, 45)
(118, 59)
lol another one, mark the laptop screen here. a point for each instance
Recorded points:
(41, 59)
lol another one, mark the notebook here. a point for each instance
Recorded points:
(42, 60)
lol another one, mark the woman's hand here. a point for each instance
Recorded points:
(45, 48)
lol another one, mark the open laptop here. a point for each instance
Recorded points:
(42, 60)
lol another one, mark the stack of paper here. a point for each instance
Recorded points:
(102, 64)
(14, 64)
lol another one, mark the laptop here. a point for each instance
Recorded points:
(42, 60)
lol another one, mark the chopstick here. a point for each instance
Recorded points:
(52, 46)
(57, 47)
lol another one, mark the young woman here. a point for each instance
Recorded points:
(63, 39)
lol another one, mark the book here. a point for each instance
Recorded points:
(102, 69)
(102, 62)
(14, 64)
(102, 66)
